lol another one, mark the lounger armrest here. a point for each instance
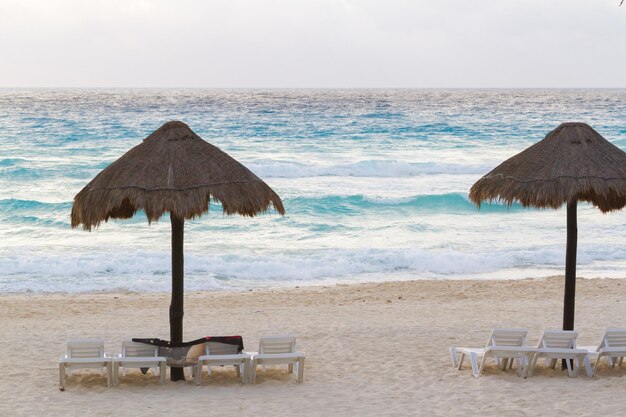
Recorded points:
(225, 357)
(467, 351)
(85, 360)
(527, 349)
(291, 355)
(590, 349)
(140, 359)
(613, 350)
(559, 350)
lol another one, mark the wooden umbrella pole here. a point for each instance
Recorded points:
(570, 267)
(176, 307)
(570, 271)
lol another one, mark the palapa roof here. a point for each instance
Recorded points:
(172, 170)
(571, 162)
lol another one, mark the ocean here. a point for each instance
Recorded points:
(375, 184)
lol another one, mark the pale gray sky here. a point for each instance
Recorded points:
(314, 43)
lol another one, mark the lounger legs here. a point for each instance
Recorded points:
(252, 372)
(61, 376)
(460, 361)
(474, 361)
(595, 366)
(503, 364)
(298, 366)
(574, 364)
(109, 374)
(241, 370)
(63, 371)
(162, 371)
(453, 356)
(198, 374)
(116, 374)
(610, 360)
(300, 370)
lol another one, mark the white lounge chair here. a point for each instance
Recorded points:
(561, 344)
(278, 350)
(612, 347)
(222, 354)
(138, 355)
(504, 345)
(84, 353)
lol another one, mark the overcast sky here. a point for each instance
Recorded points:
(312, 43)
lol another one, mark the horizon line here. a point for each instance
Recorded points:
(303, 88)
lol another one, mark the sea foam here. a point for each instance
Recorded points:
(144, 270)
(370, 168)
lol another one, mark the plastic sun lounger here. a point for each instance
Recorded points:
(504, 345)
(84, 353)
(612, 347)
(222, 354)
(138, 355)
(561, 344)
(277, 350)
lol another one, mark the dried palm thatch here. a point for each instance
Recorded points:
(572, 163)
(172, 170)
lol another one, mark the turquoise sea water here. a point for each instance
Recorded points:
(374, 182)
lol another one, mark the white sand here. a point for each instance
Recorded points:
(372, 350)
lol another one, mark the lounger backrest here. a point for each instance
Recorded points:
(559, 339)
(132, 349)
(277, 344)
(217, 348)
(508, 337)
(614, 337)
(85, 348)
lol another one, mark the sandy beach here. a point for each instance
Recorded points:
(372, 350)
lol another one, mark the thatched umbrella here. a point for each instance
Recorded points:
(173, 170)
(573, 163)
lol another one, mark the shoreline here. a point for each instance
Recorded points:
(372, 349)
(299, 286)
